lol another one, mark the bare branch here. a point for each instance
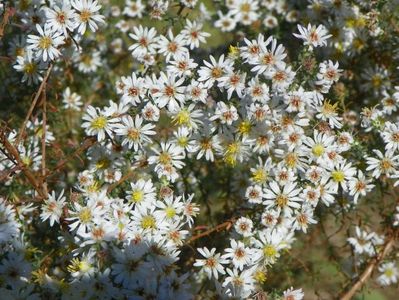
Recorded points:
(39, 92)
(361, 280)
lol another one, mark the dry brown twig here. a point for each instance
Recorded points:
(223, 226)
(373, 263)
(44, 183)
(14, 154)
(87, 143)
(31, 108)
(8, 13)
(129, 174)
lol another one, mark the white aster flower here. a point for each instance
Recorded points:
(87, 15)
(313, 36)
(212, 262)
(389, 274)
(45, 45)
(53, 207)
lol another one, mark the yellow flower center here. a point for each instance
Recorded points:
(244, 127)
(329, 109)
(385, 164)
(358, 43)
(246, 8)
(148, 222)
(95, 187)
(318, 150)
(259, 175)
(389, 272)
(103, 163)
(133, 134)
(182, 141)
(79, 265)
(376, 81)
(86, 60)
(26, 160)
(260, 276)
(216, 72)
(99, 123)
(182, 118)
(85, 15)
(170, 212)
(269, 251)
(30, 68)
(19, 51)
(165, 158)
(45, 42)
(338, 176)
(84, 266)
(291, 160)
(137, 196)
(85, 215)
(281, 200)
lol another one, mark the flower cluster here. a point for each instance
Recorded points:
(290, 118)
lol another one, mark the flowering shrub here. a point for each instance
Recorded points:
(188, 149)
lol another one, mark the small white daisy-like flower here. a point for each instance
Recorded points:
(390, 134)
(313, 36)
(239, 255)
(71, 100)
(359, 186)
(268, 244)
(45, 45)
(150, 112)
(193, 34)
(30, 67)
(339, 174)
(172, 46)
(133, 9)
(87, 15)
(53, 207)
(227, 114)
(134, 133)
(233, 82)
(214, 70)
(170, 92)
(226, 22)
(292, 294)
(384, 164)
(9, 227)
(363, 242)
(244, 226)
(254, 194)
(61, 18)
(97, 123)
(146, 41)
(212, 262)
(285, 198)
(389, 274)
(328, 72)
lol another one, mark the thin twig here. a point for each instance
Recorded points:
(140, 164)
(13, 152)
(8, 13)
(357, 285)
(120, 181)
(44, 139)
(39, 92)
(86, 145)
(225, 225)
